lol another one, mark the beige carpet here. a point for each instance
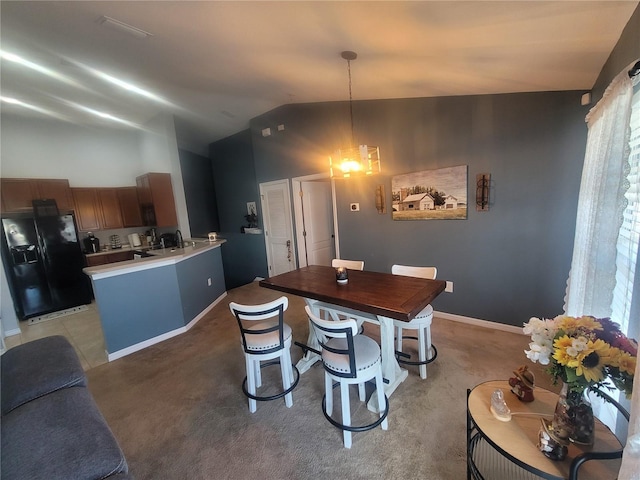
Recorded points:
(178, 410)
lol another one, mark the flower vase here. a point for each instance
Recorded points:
(573, 418)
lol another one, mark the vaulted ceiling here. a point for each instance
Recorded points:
(215, 65)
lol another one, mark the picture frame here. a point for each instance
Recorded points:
(439, 194)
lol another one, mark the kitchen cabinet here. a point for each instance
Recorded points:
(130, 207)
(109, 206)
(18, 193)
(106, 208)
(97, 260)
(87, 208)
(155, 194)
(105, 258)
(57, 189)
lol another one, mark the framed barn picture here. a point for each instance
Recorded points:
(430, 195)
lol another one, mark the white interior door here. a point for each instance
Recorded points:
(276, 212)
(317, 214)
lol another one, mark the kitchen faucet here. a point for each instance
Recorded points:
(179, 242)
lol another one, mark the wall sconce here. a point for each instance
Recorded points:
(483, 185)
(380, 200)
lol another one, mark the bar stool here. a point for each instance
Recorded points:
(350, 264)
(348, 359)
(264, 338)
(427, 352)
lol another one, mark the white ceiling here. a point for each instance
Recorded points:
(219, 64)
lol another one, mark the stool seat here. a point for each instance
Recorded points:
(366, 349)
(424, 317)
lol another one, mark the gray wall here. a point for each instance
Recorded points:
(200, 193)
(507, 264)
(244, 256)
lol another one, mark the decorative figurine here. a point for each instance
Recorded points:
(523, 384)
(499, 407)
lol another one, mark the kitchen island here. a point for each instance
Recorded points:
(147, 300)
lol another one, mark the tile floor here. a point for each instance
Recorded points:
(83, 329)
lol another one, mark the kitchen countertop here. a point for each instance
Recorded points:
(158, 258)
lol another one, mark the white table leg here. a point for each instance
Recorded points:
(306, 362)
(391, 371)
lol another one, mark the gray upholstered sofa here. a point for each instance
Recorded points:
(51, 426)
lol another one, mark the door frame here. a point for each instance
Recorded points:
(297, 215)
(287, 197)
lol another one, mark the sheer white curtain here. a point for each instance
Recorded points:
(597, 263)
(601, 203)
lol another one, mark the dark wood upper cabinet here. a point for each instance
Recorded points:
(155, 194)
(150, 203)
(59, 190)
(109, 208)
(87, 208)
(129, 207)
(18, 193)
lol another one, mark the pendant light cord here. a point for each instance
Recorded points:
(353, 138)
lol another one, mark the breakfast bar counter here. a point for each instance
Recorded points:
(147, 300)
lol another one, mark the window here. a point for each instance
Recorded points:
(629, 236)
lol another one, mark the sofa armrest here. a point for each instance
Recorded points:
(60, 436)
(37, 368)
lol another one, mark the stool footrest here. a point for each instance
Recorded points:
(306, 348)
(277, 395)
(351, 428)
(409, 362)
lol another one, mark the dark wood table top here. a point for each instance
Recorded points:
(393, 296)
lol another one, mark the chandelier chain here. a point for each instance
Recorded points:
(353, 138)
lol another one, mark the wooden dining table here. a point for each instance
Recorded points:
(367, 296)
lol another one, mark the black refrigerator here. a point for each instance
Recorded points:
(43, 261)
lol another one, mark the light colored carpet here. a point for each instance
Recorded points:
(178, 410)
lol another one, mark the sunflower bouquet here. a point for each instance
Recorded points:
(583, 352)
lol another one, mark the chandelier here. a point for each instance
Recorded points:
(354, 160)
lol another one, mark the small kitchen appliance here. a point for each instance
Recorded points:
(168, 240)
(115, 242)
(91, 243)
(134, 240)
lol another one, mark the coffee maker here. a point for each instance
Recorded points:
(91, 243)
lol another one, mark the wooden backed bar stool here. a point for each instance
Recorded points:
(349, 264)
(348, 359)
(421, 323)
(265, 338)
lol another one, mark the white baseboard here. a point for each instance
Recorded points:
(165, 336)
(479, 323)
(205, 311)
(12, 332)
